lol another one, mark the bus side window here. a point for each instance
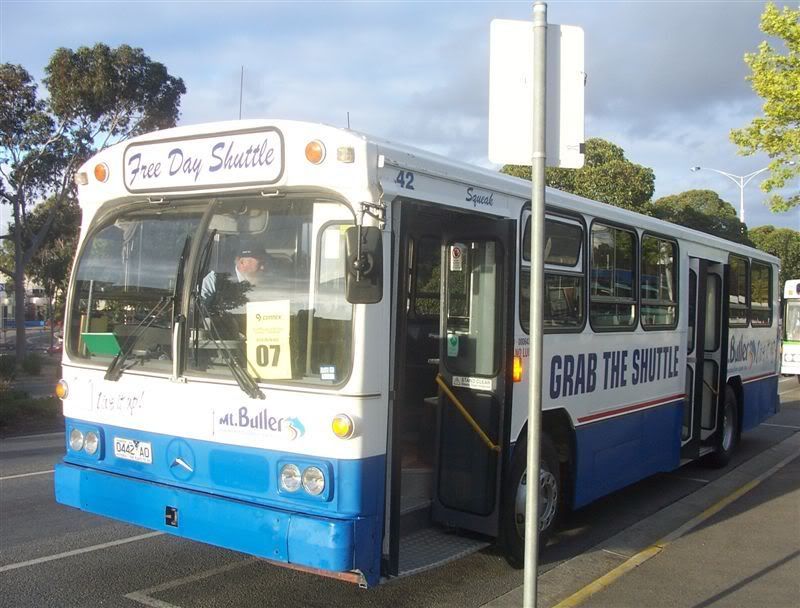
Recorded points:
(612, 302)
(738, 292)
(658, 290)
(760, 294)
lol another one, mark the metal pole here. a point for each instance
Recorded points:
(741, 201)
(536, 291)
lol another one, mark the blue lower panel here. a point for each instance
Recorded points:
(760, 401)
(316, 542)
(611, 454)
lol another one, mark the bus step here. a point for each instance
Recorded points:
(415, 514)
(433, 547)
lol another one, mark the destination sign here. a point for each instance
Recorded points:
(225, 159)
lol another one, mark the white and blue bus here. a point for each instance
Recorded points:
(790, 347)
(311, 345)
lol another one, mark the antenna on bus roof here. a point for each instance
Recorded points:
(241, 87)
(348, 121)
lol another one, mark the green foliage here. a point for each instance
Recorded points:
(606, 176)
(17, 408)
(8, 368)
(701, 210)
(96, 96)
(783, 243)
(776, 78)
(32, 364)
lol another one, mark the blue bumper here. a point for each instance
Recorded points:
(335, 545)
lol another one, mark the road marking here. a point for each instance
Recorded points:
(782, 426)
(580, 596)
(697, 479)
(26, 475)
(50, 558)
(143, 596)
(39, 436)
(791, 390)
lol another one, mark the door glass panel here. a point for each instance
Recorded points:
(712, 313)
(686, 431)
(710, 388)
(472, 324)
(692, 311)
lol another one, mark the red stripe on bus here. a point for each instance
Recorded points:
(761, 377)
(630, 408)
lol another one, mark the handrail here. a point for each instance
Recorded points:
(475, 427)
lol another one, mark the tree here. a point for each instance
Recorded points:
(606, 176)
(701, 210)
(783, 243)
(776, 78)
(98, 96)
(51, 264)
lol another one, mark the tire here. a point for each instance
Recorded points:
(513, 512)
(728, 437)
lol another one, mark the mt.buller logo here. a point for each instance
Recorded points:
(261, 421)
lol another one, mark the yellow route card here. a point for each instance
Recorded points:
(268, 349)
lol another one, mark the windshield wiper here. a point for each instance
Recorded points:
(243, 379)
(179, 278)
(240, 374)
(114, 370)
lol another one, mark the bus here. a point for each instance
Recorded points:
(790, 348)
(311, 345)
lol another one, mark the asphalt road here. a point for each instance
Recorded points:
(52, 555)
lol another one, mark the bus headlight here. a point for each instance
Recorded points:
(313, 481)
(91, 442)
(290, 477)
(76, 440)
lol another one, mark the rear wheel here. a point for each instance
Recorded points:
(728, 437)
(550, 498)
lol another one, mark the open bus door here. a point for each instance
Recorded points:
(454, 328)
(476, 331)
(705, 360)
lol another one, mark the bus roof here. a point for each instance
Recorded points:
(442, 179)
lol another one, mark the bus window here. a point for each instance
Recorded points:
(427, 277)
(613, 302)
(471, 324)
(659, 283)
(125, 283)
(286, 317)
(760, 294)
(562, 242)
(737, 292)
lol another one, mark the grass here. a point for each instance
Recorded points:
(19, 410)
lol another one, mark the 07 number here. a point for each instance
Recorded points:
(263, 355)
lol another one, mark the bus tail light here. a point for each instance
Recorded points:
(342, 426)
(516, 370)
(315, 152)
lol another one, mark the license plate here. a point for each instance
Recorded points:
(131, 449)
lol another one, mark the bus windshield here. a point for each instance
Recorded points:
(791, 320)
(267, 290)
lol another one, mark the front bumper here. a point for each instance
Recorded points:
(319, 543)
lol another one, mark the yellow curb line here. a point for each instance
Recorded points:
(580, 596)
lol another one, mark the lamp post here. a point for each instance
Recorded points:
(739, 180)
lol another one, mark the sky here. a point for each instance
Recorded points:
(666, 81)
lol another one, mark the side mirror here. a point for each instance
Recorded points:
(364, 272)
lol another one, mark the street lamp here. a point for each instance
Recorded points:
(739, 180)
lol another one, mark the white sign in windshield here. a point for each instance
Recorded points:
(225, 159)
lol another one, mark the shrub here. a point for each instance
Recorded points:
(8, 367)
(32, 364)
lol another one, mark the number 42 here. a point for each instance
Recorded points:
(405, 179)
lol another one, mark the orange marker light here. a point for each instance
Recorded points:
(516, 370)
(62, 390)
(315, 152)
(342, 426)
(101, 172)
